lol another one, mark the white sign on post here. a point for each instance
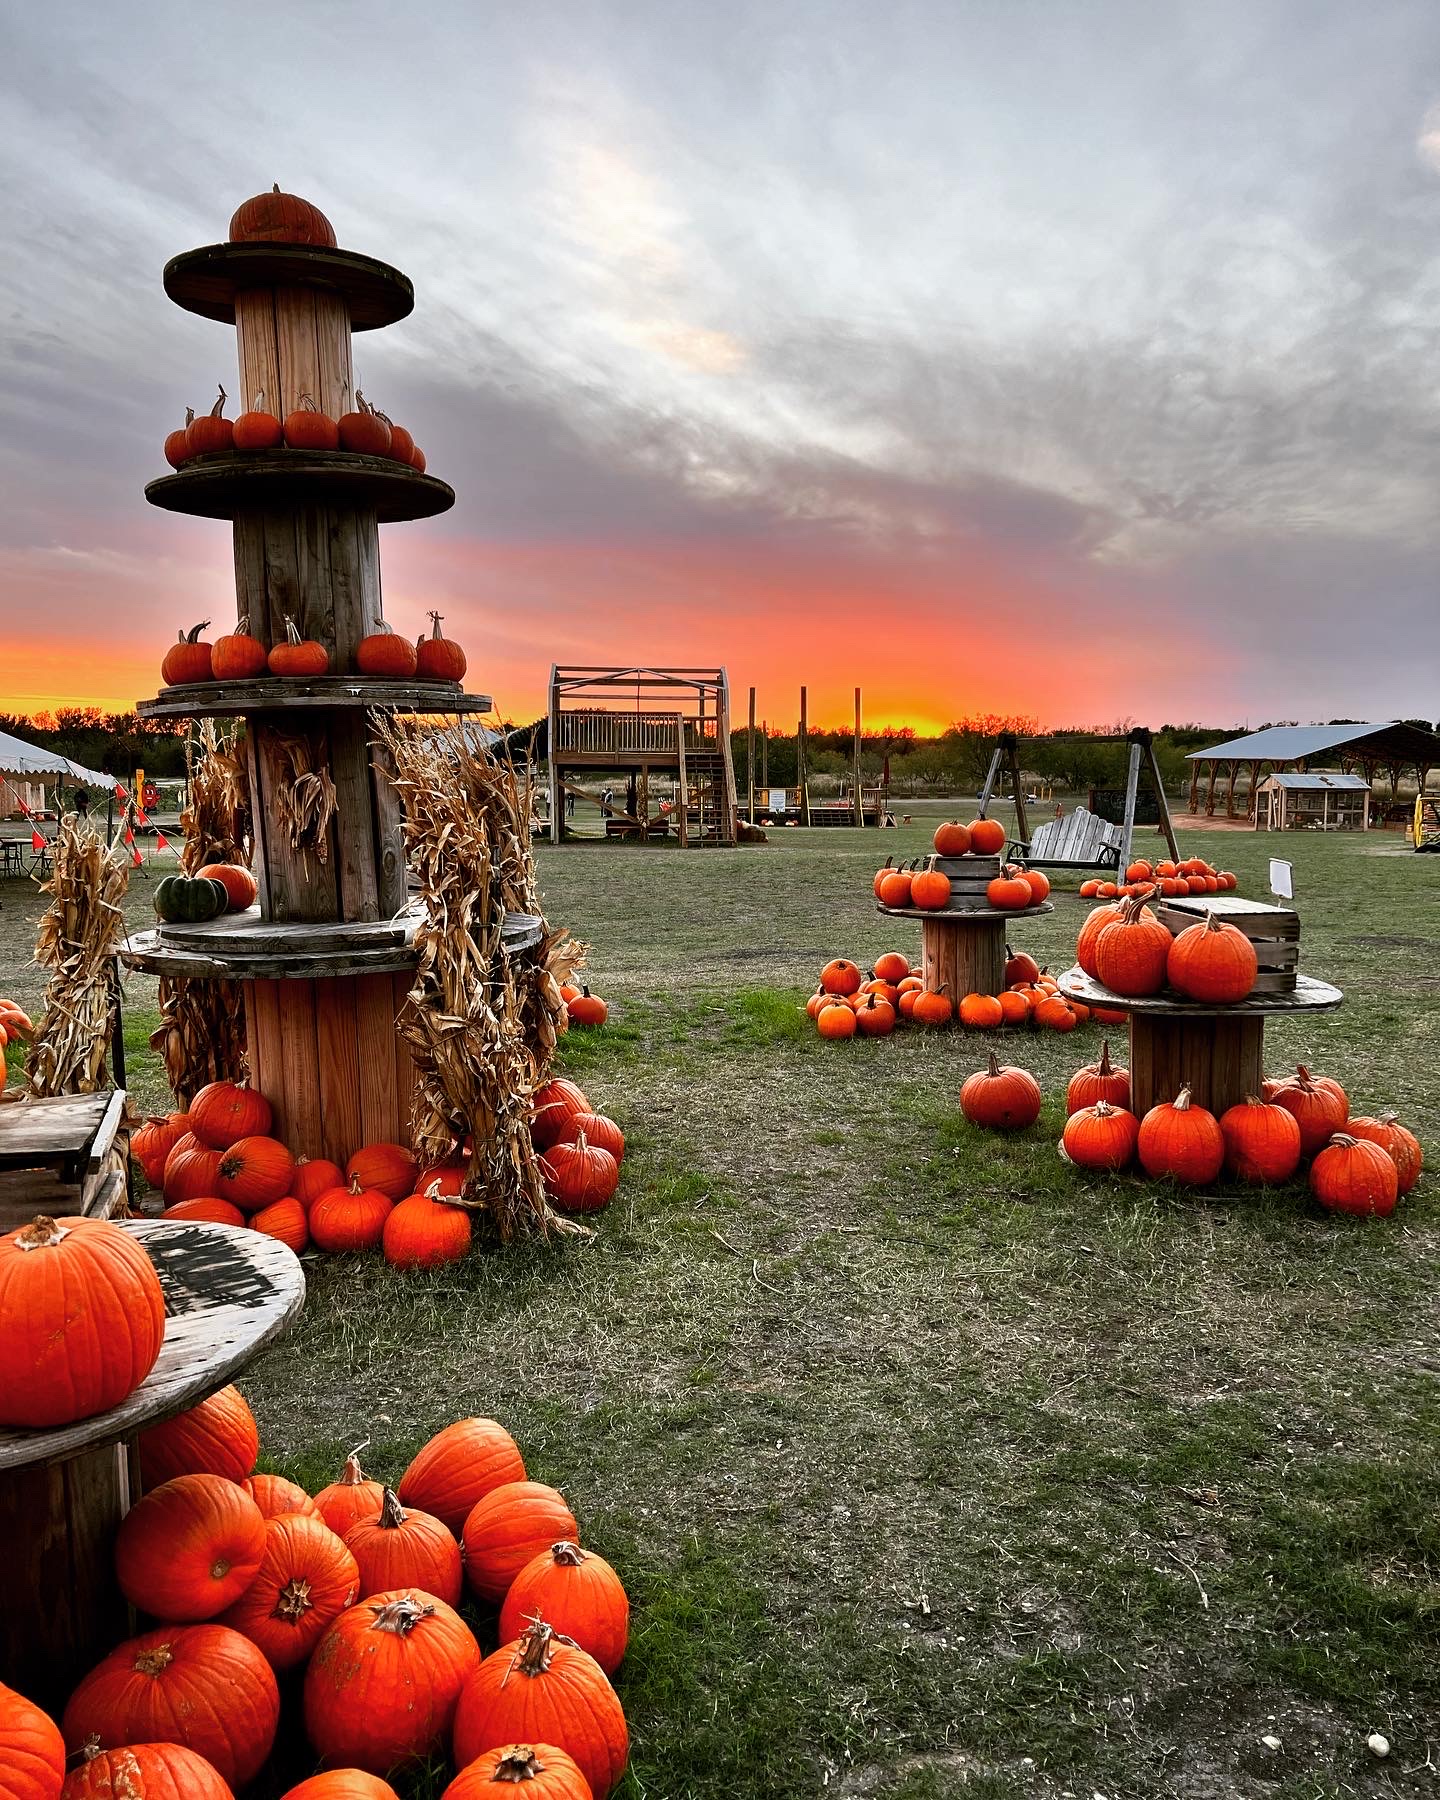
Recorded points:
(1281, 884)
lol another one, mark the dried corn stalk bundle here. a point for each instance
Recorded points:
(76, 941)
(481, 1024)
(305, 796)
(202, 1023)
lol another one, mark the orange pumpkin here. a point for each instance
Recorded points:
(875, 1017)
(1181, 1141)
(436, 657)
(384, 653)
(1101, 1136)
(277, 218)
(363, 431)
(276, 1497)
(217, 1437)
(892, 966)
(1100, 1080)
(930, 889)
(343, 1784)
(143, 1772)
(254, 1172)
(211, 433)
(578, 1594)
(1320, 1105)
(311, 1179)
(841, 977)
(389, 1169)
(587, 1009)
(223, 1112)
(458, 1467)
(32, 1752)
(1262, 1141)
(349, 1219)
(1354, 1175)
(188, 659)
(402, 1548)
(1001, 1098)
(402, 445)
(153, 1141)
(1132, 951)
(1402, 1146)
(1014, 1007)
(951, 839)
(981, 1012)
(189, 1548)
(208, 1209)
(1038, 882)
(1213, 962)
(177, 442)
(239, 884)
(579, 1176)
(836, 1020)
(508, 1527)
(1056, 1013)
(932, 1008)
(190, 1170)
(987, 837)
(258, 430)
(307, 428)
(423, 1232)
(352, 1498)
(285, 1220)
(296, 657)
(895, 889)
(237, 656)
(544, 1770)
(1009, 893)
(560, 1099)
(305, 1580)
(604, 1133)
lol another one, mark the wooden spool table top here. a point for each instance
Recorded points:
(1309, 996)
(966, 915)
(280, 694)
(206, 281)
(228, 1292)
(232, 481)
(59, 1132)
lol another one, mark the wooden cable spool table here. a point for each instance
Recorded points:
(1218, 1052)
(228, 1292)
(963, 947)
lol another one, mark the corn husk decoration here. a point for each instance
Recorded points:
(201, 1036)
(305, 796)
(76, 940)
(481, 1023)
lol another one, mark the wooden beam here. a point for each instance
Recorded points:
(1132, 785)
(684, 783)
(557, 798)
(1166, 824)
(750, 757)
(1210, 791)
(800, 768)
(859, 791)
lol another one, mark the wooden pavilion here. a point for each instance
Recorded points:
(664, 733)
(1392, 747)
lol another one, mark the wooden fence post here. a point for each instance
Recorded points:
(859, 791)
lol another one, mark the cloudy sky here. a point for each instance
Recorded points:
(1076, 357)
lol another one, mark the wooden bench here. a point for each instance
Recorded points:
(1081, 840)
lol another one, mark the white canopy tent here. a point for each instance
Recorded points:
(26, 771)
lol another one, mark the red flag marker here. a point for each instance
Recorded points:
(37, 843)
(161, 841)
(136, 858)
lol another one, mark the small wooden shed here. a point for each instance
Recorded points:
(1320, 800)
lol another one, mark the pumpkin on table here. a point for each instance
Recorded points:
(1001, 1097)
(1354, 1175)
(187, 660)
(81, 1320)
(509, 1527)
(296, 657)
(217, 1437)
(1100, 1136)
(144, 1772)
(578, 1594)
(382, 1685)
(1212, 962)
(363, 431)
(202, 1686)
(405, 1548)
(543, 1770)
(189, 900)
(32, 1752)
(258, 429)
(437, 658)
(540, 1689)
(239, 884)
(1132, 951)
(987, 837)
(458, 1467)
(930, 889)
(210, 433)
(1009, 893)
(307, 428)
(349, 1499)
(177, 442)
(385, 653)
(237, 656)
(1262, 1141)
(1181, 1140)
(951, 839)
(189, 1548)
(277, 218)
(305, 1580)
(896, 888)
(402, 445)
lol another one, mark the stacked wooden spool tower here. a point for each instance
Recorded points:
(963, 944)
(324, 959)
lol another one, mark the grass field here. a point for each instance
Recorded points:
(932, 1468)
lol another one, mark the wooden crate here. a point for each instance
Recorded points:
(969, 878)
(1273, 930)
(66, 1155)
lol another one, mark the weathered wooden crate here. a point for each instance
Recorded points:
(1273, 930)
(66, 1155)
(969, 878)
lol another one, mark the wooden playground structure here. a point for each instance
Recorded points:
(665, 733)
(766, 805)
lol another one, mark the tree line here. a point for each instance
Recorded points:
(118, 743)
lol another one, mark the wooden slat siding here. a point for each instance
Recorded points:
(316, 617)
(255, 345)
(970, 961)
(57, 1131)
(389, 829)
(251, 602)
(1221, 1060)
(298, 349)
(297, 884)
(301, 1064)
(353, 841)
(283, 594)
(342, 1126)
(267, 1052)
(375, 1043)
(333, 353)
(405, 1076)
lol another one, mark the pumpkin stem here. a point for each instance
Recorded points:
(518, 1763)
(258, 403)
(192, 636)
(217, 411)
(400, 1616)
(437, 618)
(392, 1513)
(155, 1661)
(42, 1233)
(1344, 1138)
(189, 417)
(568, 1555)
(293, 1601)
(1182, 1099)
(292, 636)
(242, 625)
(536, 1649)
(1103, 1066)
(1103, 1109)
(994, 1064)
(352, 1475)
(308, 404)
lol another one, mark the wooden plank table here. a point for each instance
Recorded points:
(1217, 1051)
(55, 1155)
(228, 1292)
(963, 947)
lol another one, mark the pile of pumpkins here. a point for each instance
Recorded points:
(848, 1002)
(351, 1598)
(1125, 947)
(1171, 879)
(237, 656)
(1357, 1164)
(14, 1024)
(361, 432)
(217, 1162)
(923, 886)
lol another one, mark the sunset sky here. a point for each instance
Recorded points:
(1075, 359)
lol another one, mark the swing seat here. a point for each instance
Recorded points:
(1081, 840)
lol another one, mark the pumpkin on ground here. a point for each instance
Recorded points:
(436, 657)
(223, 1112)
(342, 1784)
(560, 1100)
(538, 1689)
(1019, 967)
(1100, 1136)
(875, 1016)
(579, 1177)
(981, 1012)
(32, 1752)
(254, 1172)
(383, 1683)
(217, 1437)
(202, 1686)
(1262, 1141)
(285, 1220)
(306, 1579)
(1100, 1080)
(1320, 1105)
(836, 1021)
(310, 1179)
(1213, 962)
(277, 218)
(604, 1133)
(1402, 1146)
(1001, 1098)
(276, 1497)
(1354, 1175)
(543, 1770)
(841, 977)
(509, 1527)
(932, 1008)
(191, 1170)
(892, 966)
(1056, 1013)
(81, 1320)
(388, 1169)
(423, 1232)
(1014, 1007)
(144, 1772)
(1181, 1140)
(211, 1212)
(187, 660)
(352, 1498)
(405, 1548)
(578, 1595)
(458, 1467)
(349, 1219)
(153, 1141)
(189, 1548)
(587, 1009)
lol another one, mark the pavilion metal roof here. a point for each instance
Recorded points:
(1387, 741)
(1316, 781)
